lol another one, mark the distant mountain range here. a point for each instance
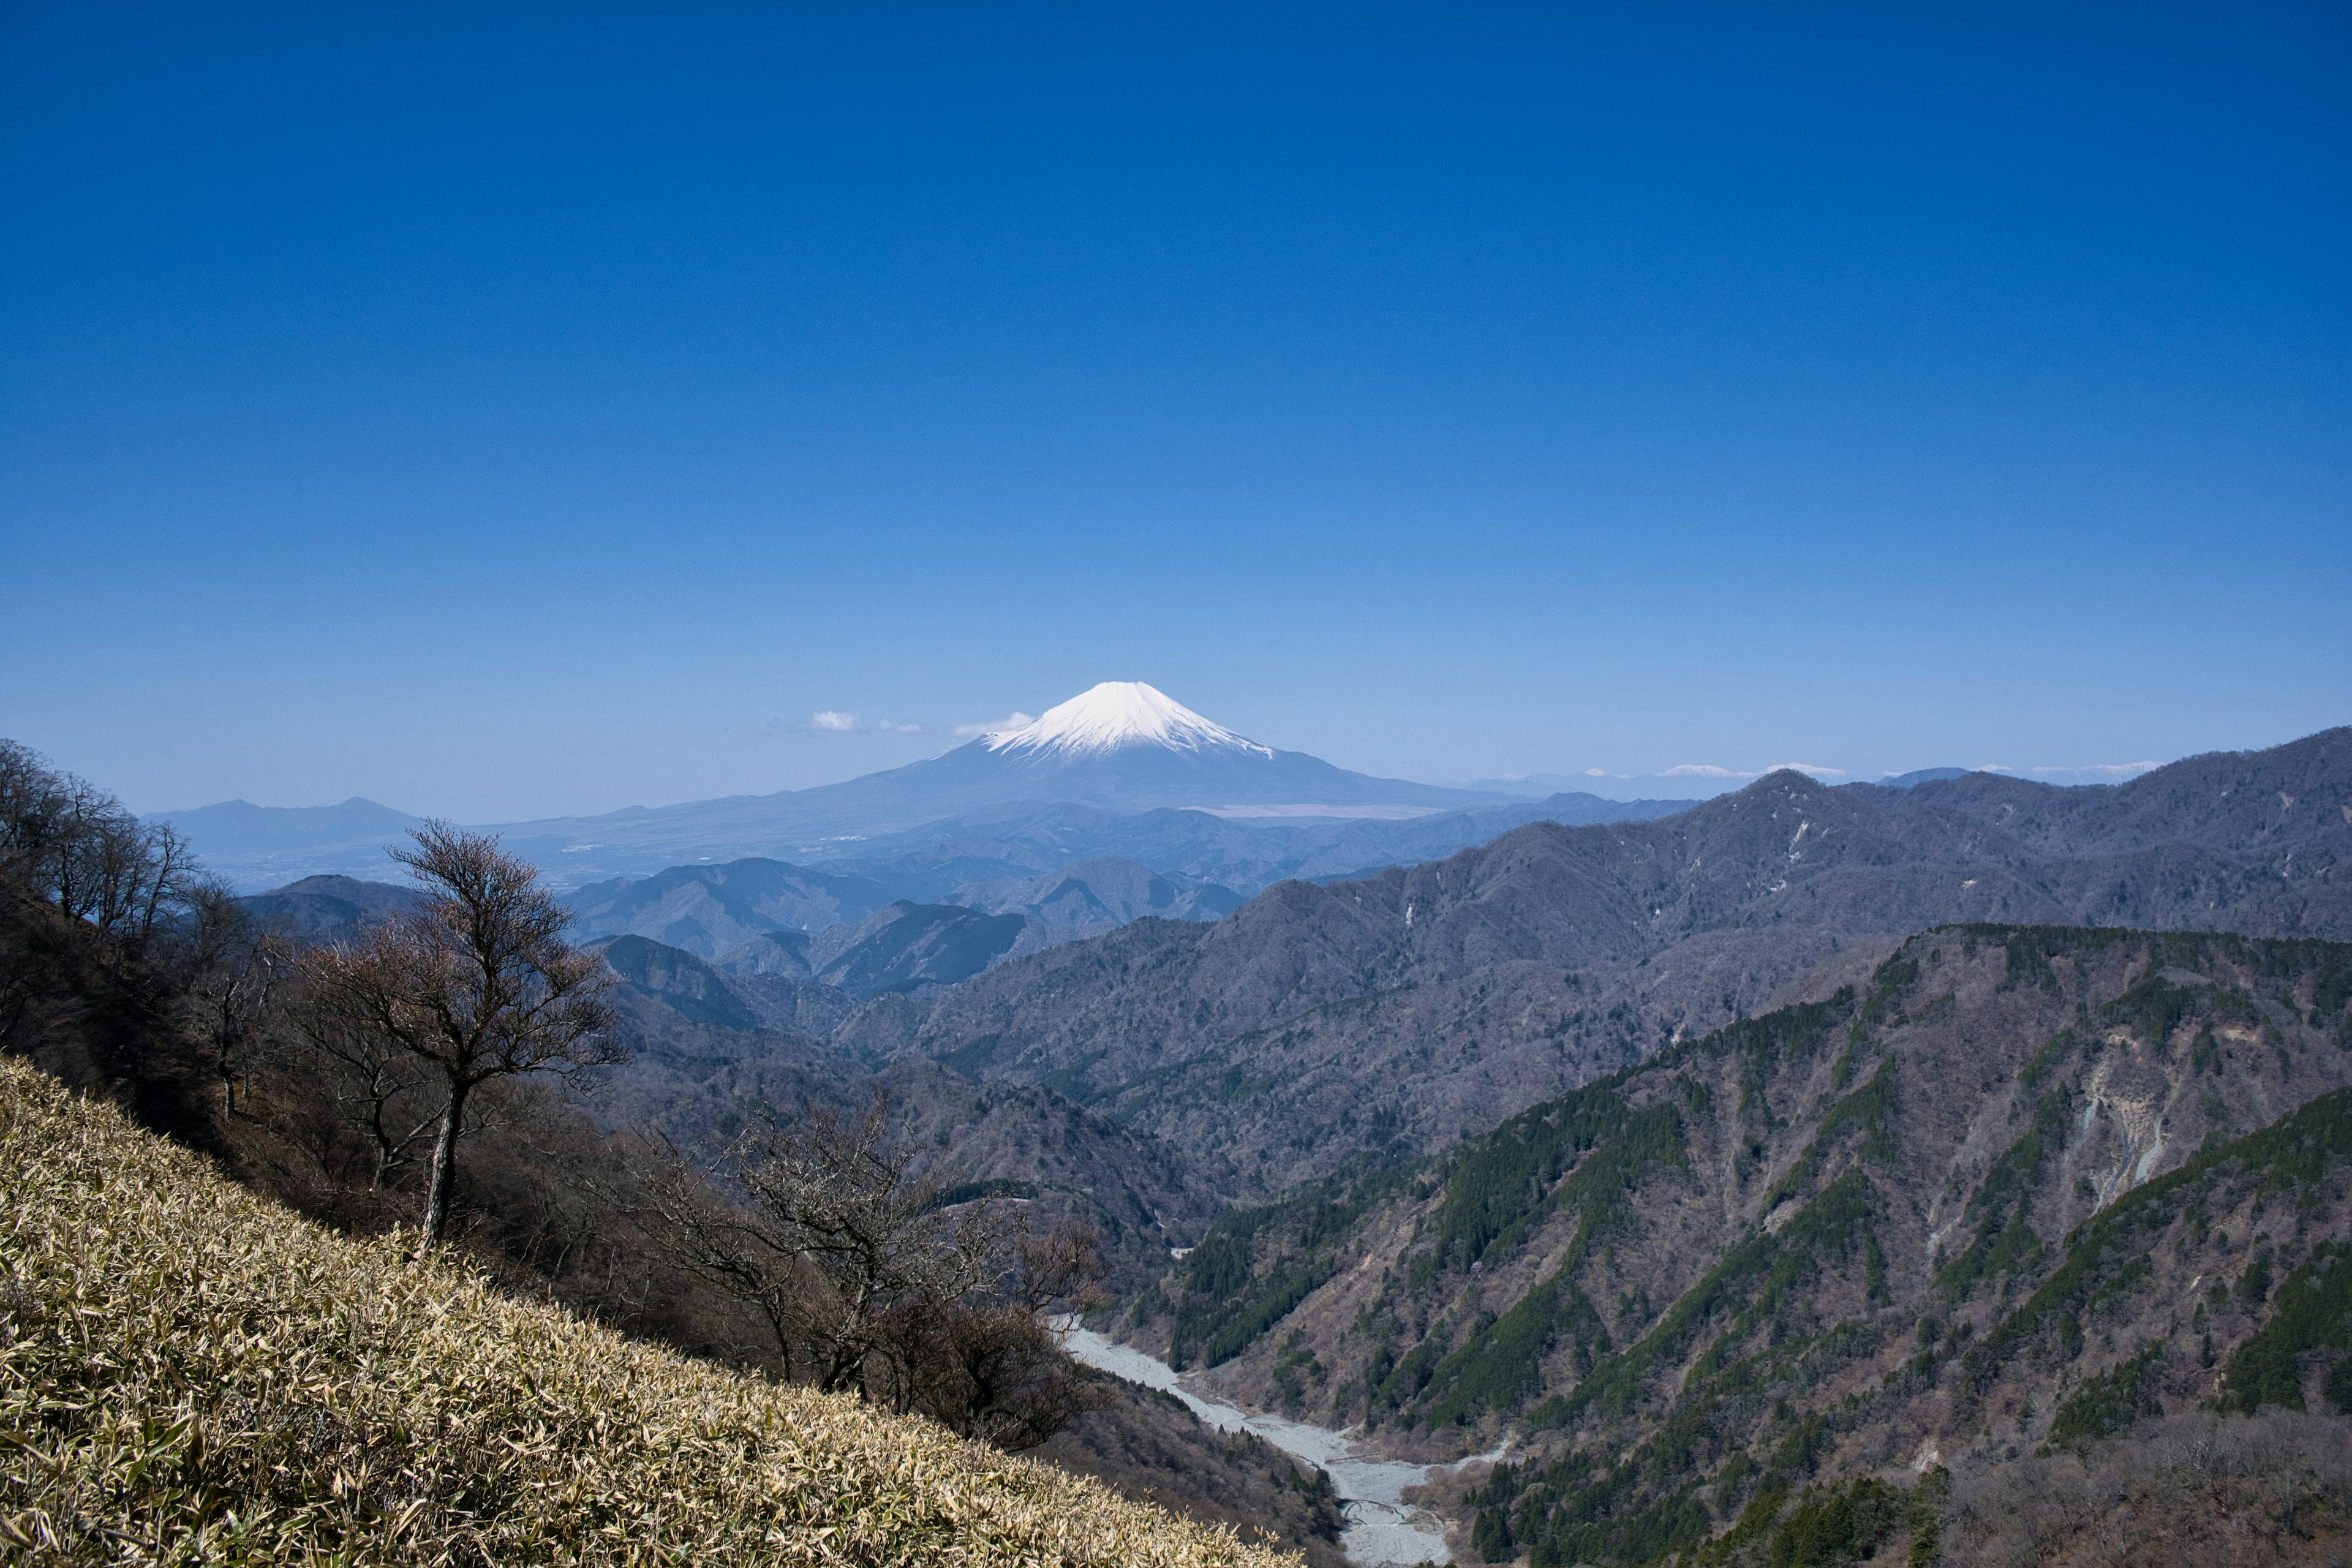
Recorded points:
(1695, 781)
(258, 847)
(1426, 1002)
(1119, 772)
(1431, 1000)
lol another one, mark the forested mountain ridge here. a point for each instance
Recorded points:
(2023, 1186)
(1422, 1004)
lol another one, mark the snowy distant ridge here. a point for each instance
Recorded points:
(1117, 714)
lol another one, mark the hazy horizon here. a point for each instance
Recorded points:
(1678, 781)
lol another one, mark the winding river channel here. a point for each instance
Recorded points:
(1382, 1530)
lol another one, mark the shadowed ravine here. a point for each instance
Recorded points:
(1383, 1529)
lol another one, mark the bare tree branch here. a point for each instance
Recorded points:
(479, 985)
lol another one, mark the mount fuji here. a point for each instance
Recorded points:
(1121, 747)
(1126, 747)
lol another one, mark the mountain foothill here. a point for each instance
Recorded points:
(1808, 1147)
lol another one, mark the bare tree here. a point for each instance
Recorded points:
(66, 841)
(477, 984)
(726, 1247)
(237, 970)
(834, 1235)
(367, 1083)
(994, 1369)
(870, 1284)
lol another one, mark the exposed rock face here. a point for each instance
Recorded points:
(2021, 1185)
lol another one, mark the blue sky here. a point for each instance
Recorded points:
(555, 412)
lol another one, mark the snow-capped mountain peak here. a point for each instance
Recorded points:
(1116, 714)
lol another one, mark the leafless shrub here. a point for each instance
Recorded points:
(870, 1284)
(2194, 1488)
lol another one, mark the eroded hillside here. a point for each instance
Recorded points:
(2021, 1185)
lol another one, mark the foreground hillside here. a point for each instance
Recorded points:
(188, 1372)
(2025, 1188)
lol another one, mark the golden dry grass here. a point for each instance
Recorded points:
(190, 1374)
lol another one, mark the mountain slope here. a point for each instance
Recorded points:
(320, 910)
(910, 945)
(324, 1399)
(1426, 1002)
(2021, 1185)
(712, 1048)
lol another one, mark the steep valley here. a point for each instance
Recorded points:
(2021, 1186)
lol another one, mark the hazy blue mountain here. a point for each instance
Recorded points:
(684, 982)
(711, 910)
(909, 945)
(1029, 839)
(332, 908)
(256, 847)
(241, 827)
(1921, 775)
(1100, 894)
(755, 915)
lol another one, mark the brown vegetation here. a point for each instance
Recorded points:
(190, 1374)
(2195, 1489)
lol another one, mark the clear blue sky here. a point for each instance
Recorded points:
(555, 412)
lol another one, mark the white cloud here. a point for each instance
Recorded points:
(831, 719)
(2117, 771)
(1709, 771)
(1010, 721)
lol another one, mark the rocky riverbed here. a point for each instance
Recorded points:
(1383, 1530)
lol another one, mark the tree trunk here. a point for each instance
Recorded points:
(445, 1172)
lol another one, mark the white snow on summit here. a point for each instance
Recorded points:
(1119, 713)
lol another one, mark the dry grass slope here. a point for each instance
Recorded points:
(189, 1374)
